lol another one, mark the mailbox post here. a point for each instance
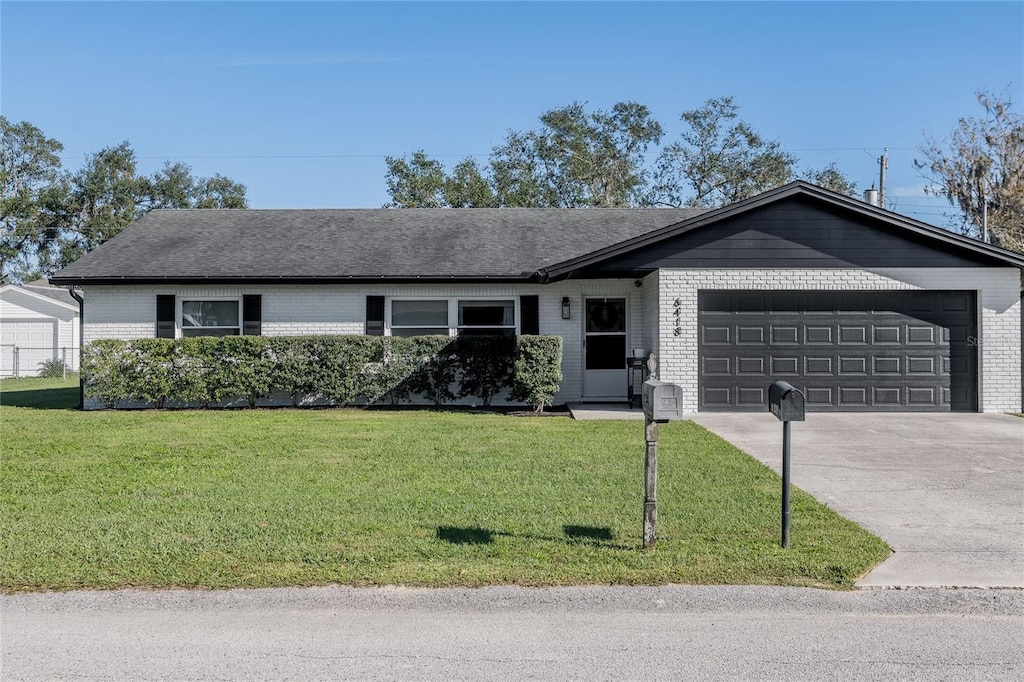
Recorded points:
(661, 402)
(786, 403)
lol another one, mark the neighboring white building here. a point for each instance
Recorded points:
(38, 322)
(860, 308)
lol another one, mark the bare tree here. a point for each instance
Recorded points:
(979, 169)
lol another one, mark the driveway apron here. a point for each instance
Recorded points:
(945, 491)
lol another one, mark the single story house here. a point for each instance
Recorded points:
(859, 307)
(38, 322)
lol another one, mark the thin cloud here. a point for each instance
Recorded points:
(909, 191)
(311, 60)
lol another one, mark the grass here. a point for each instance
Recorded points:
(306, 497)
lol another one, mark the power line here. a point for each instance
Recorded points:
(284, 156)
(271, 157)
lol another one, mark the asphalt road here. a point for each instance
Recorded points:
(610, 633)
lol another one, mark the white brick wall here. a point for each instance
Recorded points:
(650, 338)
(998, 304)
(129, 312)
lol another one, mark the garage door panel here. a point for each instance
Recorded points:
(717, 397)
(856, 350)
(819, 335)
(853, 396)
(716, 335)
(751, 396)
(918, 334)
(751, 367)
(716, 366)
(852, 334)
(921, 396)
(785, 366)
(788, 334)
(819, 397)
(747, 334)
(824, 366)
(885, 366)
(884, 396)
(886, 334)
(857, 365)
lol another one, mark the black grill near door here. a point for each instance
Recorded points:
(847, 351)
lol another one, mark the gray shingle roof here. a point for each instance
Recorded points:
(358, 243)
(59, 294)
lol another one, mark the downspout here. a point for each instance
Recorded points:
(81, 344)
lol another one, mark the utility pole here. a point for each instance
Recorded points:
(883, 164)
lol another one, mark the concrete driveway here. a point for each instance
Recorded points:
(946, 491)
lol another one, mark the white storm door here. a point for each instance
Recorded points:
(604, 349)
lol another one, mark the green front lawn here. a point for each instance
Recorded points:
(307, 497)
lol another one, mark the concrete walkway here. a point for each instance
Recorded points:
(605, 411)
(946, 491)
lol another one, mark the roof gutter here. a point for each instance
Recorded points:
(81, 343)
(406, 279)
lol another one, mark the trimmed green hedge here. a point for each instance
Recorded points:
(342, 370)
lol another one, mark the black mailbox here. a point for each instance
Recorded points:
(786, 402)
(662, 401)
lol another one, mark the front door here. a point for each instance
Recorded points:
(604, 349)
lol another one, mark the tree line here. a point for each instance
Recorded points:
(50, 216)
(603, 159)
(597, 159)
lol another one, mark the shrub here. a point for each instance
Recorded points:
(344, 370)
(52, 369)
(486, 364)
(103, 367)
(435, 367)
(537, 371)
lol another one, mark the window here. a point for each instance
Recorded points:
(210, 318)
(487, 317)
(451, 317)
(419, 318)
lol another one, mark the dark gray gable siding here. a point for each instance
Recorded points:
(792, 233)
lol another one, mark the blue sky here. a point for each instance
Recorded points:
(302, 101)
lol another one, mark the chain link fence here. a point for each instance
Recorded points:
(27, 361)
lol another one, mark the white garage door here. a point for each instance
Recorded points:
(35, 341)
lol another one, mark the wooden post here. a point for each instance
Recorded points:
(650, 483)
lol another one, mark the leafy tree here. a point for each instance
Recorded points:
(830, 177)
(50, 217)
(415, 182)
(575, 159)
(218, 191)
(981, 166)
(719, 160)
(599, 160)
(105, 197)
(467, 187)
(32, 193)
(578, 159)
(517, 174)
(107, 194)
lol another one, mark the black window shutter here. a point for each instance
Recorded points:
(252, 315)
(375, 316)
(529, 313)
(165, 316)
